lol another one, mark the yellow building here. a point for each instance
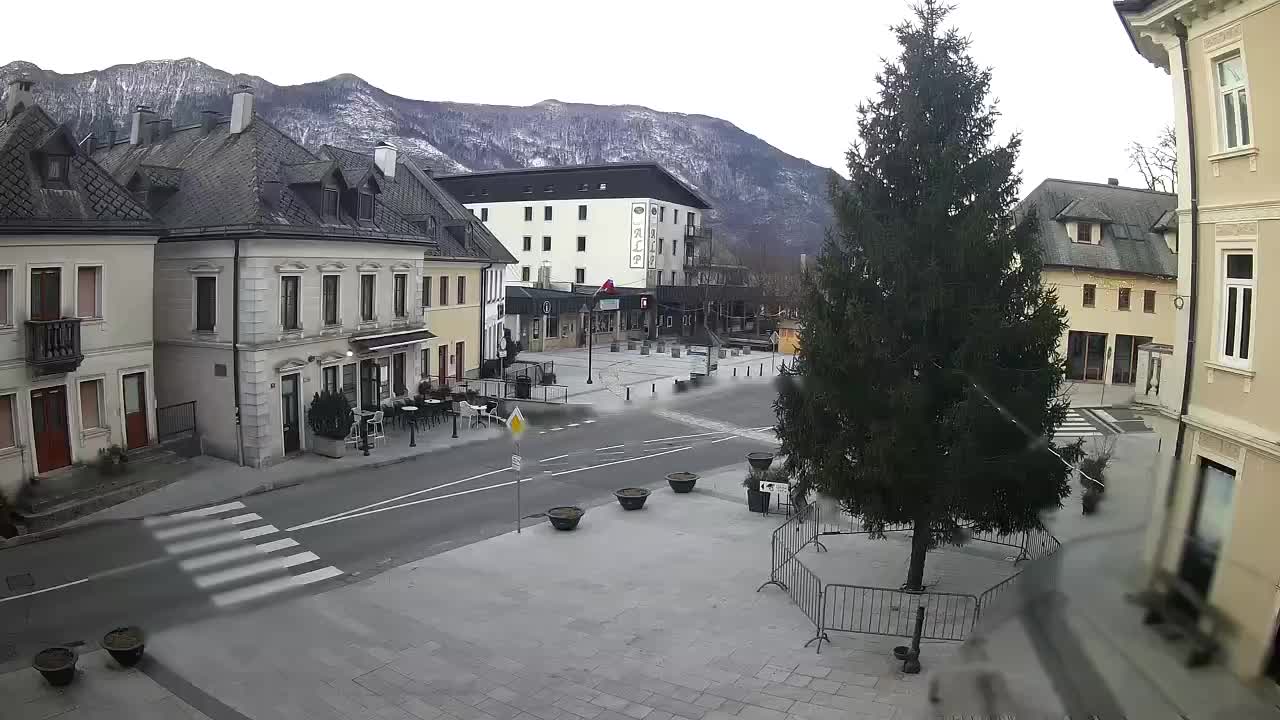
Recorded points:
(1110, 252)
(1214, 519)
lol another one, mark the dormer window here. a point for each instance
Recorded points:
(329, 202)
(1084, 233)
(57, 168)
(528, 189)
(364, 206)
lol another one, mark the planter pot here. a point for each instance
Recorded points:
(758, 501)
(565, 518)
(734, 352)
(125, 644)
(662, 347)
(675, 351)
(614, 347)
(57, 665)
(644, 350)
(723, 353)
(902, 652)
(328, 447)
(746, 350)
(1089, 503)
(631, 345)
(682, 482)
(631, 498)
(760, 460)
(682, 385)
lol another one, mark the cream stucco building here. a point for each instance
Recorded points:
(76, 370)
(281, 272)
(1110, 252)
(1218, 403)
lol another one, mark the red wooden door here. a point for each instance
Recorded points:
(442, 362)
(458, 363)
(49, 425)
(135, 411)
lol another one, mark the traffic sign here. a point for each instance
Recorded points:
(773, 337)
(516, 461)
(516, 423)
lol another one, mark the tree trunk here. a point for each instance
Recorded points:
(920, 536)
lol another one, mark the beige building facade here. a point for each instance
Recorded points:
(1220, 469)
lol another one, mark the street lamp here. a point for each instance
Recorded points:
(606, 288)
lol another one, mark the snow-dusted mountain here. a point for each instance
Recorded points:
(763, 196)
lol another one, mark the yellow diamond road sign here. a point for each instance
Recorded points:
(516, 423)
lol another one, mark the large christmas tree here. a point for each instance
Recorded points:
(928, 376)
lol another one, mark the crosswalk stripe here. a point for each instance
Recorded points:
(220, 558)
(253, 569)
(242, 519)
(187, 515)
(204, 543)
(275, 545)
(273, 586)
(258, 531)
(194, 528)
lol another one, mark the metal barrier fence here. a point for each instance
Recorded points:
(1032, 544)
(882, 611)
(509, 389)
(174, 420)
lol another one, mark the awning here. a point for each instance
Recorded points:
(385, 340)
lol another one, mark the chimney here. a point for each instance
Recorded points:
(209, 120)
(241, 109)
(19, 96)
(89, 144)
(152, 132)
(111, 137)
(142, 114)
(166, 128)
(1114, 182)
(384, 156)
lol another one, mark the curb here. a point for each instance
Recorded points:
(260, 489)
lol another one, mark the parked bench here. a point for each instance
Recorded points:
(1167, 601)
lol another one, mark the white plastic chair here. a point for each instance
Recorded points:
(353, 435)
(376, 431)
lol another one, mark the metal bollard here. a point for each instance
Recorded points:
(653, 387)
(761, 370)
(748, 371)
(628, 393)
(735, 372)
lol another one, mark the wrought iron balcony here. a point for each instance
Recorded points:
(53, 346)
(697, 232)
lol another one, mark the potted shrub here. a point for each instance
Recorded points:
(682, 482)
(57, 665)
(565, 518)
(330, 420)
(1095, 466)
(125, 644)
(631, 498)
(1089, 500)
(112, 460)
(757, 499)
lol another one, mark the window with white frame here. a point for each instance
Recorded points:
(1233, 102)
(91, 405)
(6, 297)
(330, 288)
(290, 316)
(400, 293)
(1236, 330)
(89, 292)
(329, 379)
(206, 289)
(8, 417)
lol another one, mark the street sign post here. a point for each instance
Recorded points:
(517, 425)
(773, 350)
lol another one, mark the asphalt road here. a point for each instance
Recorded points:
(345, 528)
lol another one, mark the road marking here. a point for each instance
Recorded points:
(340, 518)
(258, 532)
(587, 422)
(44, 590)
(394, 499)
(619, 462)
(253, 569)
(556, 429)
(610, 447)
(201, 512)
(557, 457)
(731, 437)
(203, 543)
(194, 528)
(271, 587)
(573, 424)
(242, 519)
(682, 437)
(275, 545)
(219, 558)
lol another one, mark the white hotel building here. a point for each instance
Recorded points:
(633, 222)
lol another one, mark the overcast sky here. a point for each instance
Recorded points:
(790, 72)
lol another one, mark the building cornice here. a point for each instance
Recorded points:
(1154, 27)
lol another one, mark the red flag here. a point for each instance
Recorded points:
(607, 287)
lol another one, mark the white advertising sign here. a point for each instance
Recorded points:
(776, 487)
(608, 304)
(638, 234)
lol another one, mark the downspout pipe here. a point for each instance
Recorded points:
(235, 347)
(484, 309)
(1188, 369)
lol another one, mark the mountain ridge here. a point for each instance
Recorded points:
(767, 201)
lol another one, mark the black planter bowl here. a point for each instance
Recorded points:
(631, 498)
(125, 644)
(760, 460)
(565, 518)
(901, 652)
(682, 482)
(758, 501)
(57, 665)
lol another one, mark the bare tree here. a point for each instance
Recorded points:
(1157, 162)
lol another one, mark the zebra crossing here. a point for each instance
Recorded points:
(235, 555)
(1075, 425)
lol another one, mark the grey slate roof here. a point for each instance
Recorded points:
(1128, 243)
(417, 197)
(91, 200)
